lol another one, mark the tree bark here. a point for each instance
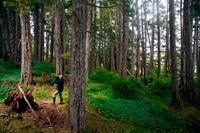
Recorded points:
(88, 38)
(77, 96)
(63, 44)
(16, 36)
(138, 42)
(152, 40)
(125, 39)
(132, 45)
(187, 21)
(52, 37)
(174, 79)
(183, 67)
(158, 28)
(166, 67)
(26, 49)
(112, 58)
(57, 41)
(41, 45)
(36, 31)
(93, 45)
(8, 35)
(120, 38)
(145, 40)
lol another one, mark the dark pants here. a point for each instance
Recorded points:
(56, 93)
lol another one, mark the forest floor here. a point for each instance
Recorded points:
(113, 105)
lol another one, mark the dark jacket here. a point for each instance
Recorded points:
(60, 83)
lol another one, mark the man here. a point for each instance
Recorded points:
(59, 80)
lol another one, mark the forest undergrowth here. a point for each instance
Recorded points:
(113, 104)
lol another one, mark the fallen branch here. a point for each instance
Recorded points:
(94, 115)
(129, 73)
(9, 115)
(26, 99)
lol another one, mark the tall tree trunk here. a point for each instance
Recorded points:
(198, 59)
(52, 37)
(116, 38)
(145, 40)
(47, 46)
(26, 49)
(167, 44)
(187, 21)
(138, 42)
(93, 45)
(132, 41)
(16, 35)
(8, 35)
(41, 49)
(120, 38)
(88, 39)
(142, 39)
(125, 38)
(63, 44)
(158, 28)
(152, 40)
(174, 78)
(112, 58)
(36, 31)
(183, 67)
(77, 96)
(57, 40)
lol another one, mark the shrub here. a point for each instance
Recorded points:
(44, 67)
(127, 89)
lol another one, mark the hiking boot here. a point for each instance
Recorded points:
(61, 101)
(54, 100)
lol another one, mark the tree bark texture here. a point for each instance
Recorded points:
(77, 96)
(26, 49)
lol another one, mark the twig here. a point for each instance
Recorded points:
(94, 115)
(8, 115)
(49, 121)
(129, 73)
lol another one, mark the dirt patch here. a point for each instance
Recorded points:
(48, 116)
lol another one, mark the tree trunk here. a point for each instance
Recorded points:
(8, 35)
(47, 46)
(125, 38)
(152, 41)
(120, 38)
(158, 28)
(88, 39)
(167, 45)
(77, 96)
(116, 38)
(183, 71)
(112, 58)
(174, 80)
(16, 35)
(26, 49)
(138, 42)
(145, 40)
(187, 21)
(52, 37)
(63, 44)
(93, 45)
(57, 40)
(36, 31)
(41, 49)
(132, 45)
